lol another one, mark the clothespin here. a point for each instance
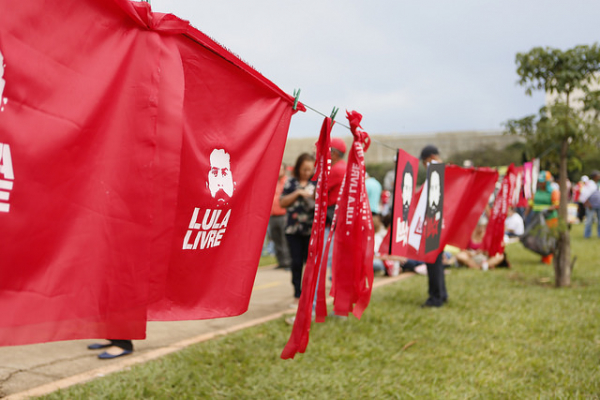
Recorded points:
(334, 113)
(296, 97)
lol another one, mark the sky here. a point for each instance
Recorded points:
(408, 67)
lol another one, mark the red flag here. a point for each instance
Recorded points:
(235, 124)
(352, 264)
(493, 241)
(316, 261)
(127, 130)
(405, 183)
(465, 195)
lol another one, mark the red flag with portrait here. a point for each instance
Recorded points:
(405, 184)
(141, 153)
(449, 205)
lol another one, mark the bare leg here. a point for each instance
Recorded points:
(465, 258)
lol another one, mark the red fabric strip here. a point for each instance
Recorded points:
(352, 266)
(315, 269)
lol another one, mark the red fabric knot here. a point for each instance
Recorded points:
(141, 12)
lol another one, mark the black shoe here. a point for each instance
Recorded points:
(98, 346)
(108, 356)
(431, 303)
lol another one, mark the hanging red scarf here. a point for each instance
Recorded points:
(352, 264)
(315, 264)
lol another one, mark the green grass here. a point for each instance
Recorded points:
(267, 261)
(505, 334)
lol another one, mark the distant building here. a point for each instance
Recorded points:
(383, 147)
(576, 97)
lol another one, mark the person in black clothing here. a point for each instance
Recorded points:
(435, 271)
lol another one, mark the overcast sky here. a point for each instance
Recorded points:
(407, 66)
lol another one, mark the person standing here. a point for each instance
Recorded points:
(113, 348)
(592, 206)
(336, 177)
(277, 223)
(435, 271)
(298, 198)
(546, 200)
(374, 189)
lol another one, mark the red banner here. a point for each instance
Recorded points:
(447, 210)
(493, 241)
(141, 153)
(405, 184)
(352, 264)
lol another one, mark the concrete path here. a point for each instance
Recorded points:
(39, 369)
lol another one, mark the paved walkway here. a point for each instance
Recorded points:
(38, 369)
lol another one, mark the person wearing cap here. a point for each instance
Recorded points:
(336, 175)
(591, 200)
(435, 271)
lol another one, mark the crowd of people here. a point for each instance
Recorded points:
(291, 220)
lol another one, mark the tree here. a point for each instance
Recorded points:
(489, 156)
(567, 124)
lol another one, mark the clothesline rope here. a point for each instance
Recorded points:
(347, 127)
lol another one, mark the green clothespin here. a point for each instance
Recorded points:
(334, 113)
(296, 97)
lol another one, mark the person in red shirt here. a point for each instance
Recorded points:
(336, 177)
(277, 223)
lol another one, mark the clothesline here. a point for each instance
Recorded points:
(347, 127)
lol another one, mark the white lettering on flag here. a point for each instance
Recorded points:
(7, 172)
(208, 233)
(416, 225)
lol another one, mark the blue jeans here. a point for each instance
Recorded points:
(589, 220)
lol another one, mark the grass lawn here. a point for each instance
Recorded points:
(268, 260)
(505, 334)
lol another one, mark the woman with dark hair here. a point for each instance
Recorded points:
(298, 198)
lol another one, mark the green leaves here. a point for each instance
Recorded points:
(572, 77)
(555, 70)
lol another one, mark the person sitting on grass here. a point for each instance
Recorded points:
(473, 256)
(514, 226)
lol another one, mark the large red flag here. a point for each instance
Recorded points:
(142, 155)
(461, 198)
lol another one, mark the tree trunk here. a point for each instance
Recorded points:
(562, 256)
